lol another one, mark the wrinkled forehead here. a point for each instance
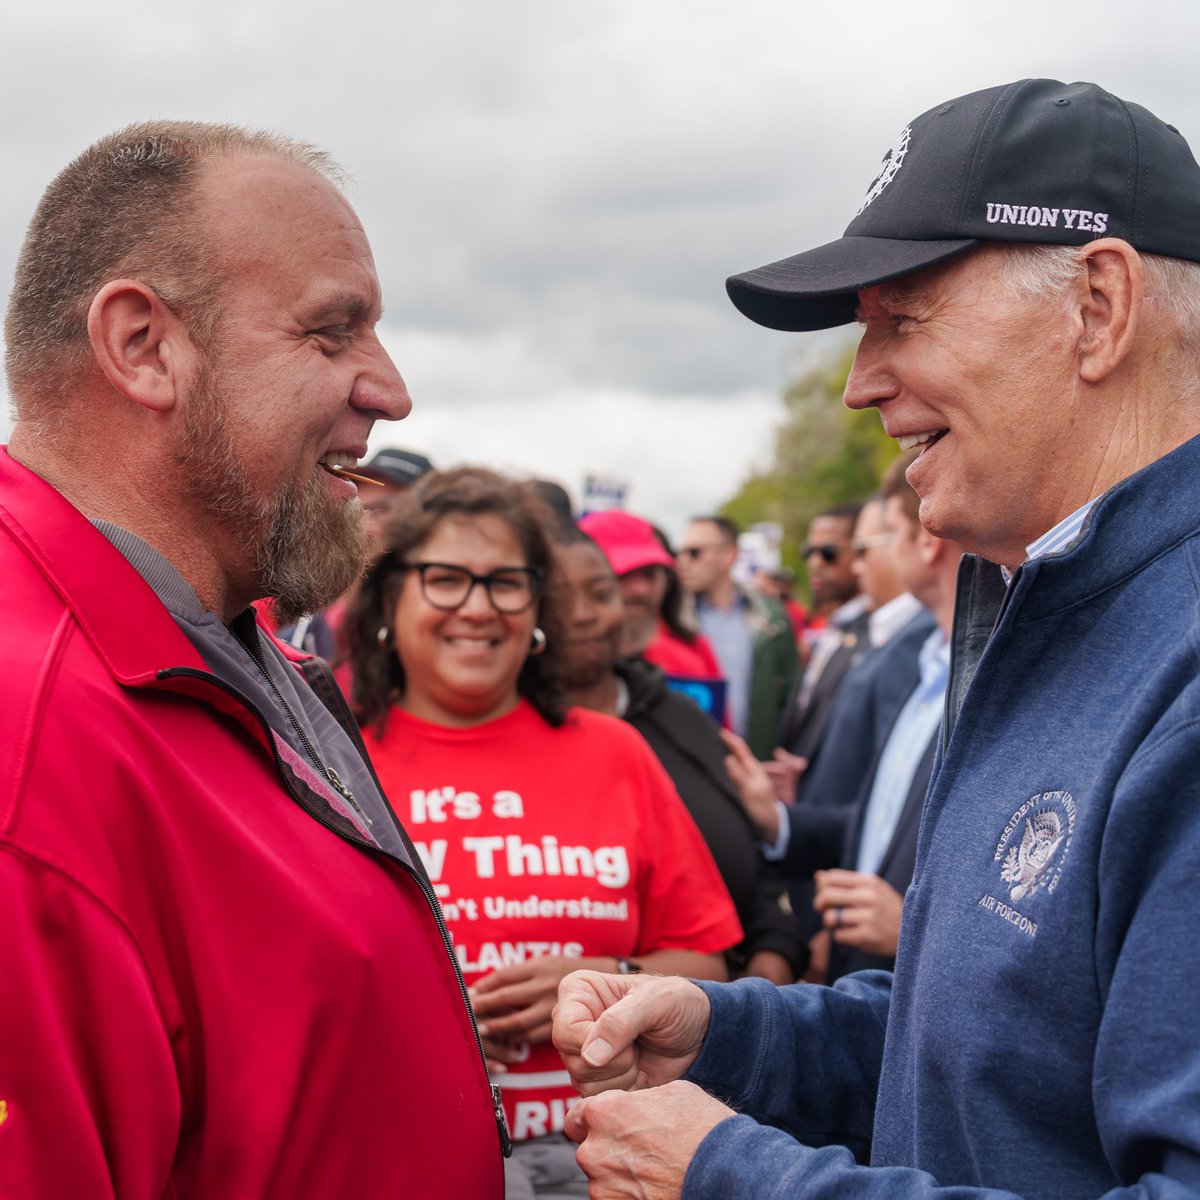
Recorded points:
(965, 273)
(259, 212)
(287, 245)
(246, 192)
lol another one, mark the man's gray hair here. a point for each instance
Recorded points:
(125, 207)
(1172, 288)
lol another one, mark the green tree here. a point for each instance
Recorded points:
(824, 454)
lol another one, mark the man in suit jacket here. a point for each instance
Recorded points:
(886, 609)
(855, 830)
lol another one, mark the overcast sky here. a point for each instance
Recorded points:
(556, 190)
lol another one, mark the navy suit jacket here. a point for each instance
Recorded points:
(867, 704)
(801, 730)
(824, 821)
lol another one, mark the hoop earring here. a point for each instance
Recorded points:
(537, 643)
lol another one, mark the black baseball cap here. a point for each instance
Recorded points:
(400, 467)
(1035, 161)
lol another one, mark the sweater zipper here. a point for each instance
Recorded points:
(962, 605)
(418, 876)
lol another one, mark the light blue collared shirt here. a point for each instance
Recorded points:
(729, 632)
(1059, 538)
(906, 745)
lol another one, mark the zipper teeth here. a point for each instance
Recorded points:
(309, 749)
(326, 772)
(417, 876)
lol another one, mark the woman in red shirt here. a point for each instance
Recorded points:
(552, 835)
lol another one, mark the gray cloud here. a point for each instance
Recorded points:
(556, 191)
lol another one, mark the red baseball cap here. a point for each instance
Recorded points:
(628, 542)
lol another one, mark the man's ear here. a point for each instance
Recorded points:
(1109, 299)
(139, 342)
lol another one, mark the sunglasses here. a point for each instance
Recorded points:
(694, 552)
(828, 553)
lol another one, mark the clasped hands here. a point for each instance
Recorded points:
(626, 1040)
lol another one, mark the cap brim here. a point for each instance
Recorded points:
(623, 560)
(817, 289)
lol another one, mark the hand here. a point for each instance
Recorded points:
(754, 786)
(515, 1003)
(784, 771)
(637, 1146)
(500, 1053)
(860, 910)
(628, 1031)
(817, 970)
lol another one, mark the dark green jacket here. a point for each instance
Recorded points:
(774, 667)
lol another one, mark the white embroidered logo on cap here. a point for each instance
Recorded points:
(888, 168)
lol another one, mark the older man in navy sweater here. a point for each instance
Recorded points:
(1025, 270)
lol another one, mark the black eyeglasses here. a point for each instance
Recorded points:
(510, 590)
(829, 552)
(861, 545)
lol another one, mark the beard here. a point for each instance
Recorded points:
(305, 548)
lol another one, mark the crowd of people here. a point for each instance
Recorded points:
(489, 629)
(374, 830)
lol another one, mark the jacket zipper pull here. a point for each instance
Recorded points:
(501, 1123)
(335, 781)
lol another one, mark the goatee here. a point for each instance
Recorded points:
(307, 546)
(315, 549)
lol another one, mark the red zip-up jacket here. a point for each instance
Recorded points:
(209, 985)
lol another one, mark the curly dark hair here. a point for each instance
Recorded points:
(464, 491)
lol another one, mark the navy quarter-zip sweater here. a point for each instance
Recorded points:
(1041, 1035)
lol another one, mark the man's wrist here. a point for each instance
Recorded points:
(775, 840)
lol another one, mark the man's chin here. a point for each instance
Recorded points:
(316, 551)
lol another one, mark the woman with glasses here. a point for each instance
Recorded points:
(551, 834)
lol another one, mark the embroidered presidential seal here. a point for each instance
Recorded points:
(1031, 855)
(1044, 825)
(892, 161)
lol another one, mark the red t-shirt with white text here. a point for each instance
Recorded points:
(539, 840)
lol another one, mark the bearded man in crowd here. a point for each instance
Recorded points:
(229, 974)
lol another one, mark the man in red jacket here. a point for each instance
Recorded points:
(226, 972)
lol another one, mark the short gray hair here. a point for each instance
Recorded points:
(125, 207)
(1172, 288)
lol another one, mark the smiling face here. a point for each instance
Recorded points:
(595, 614)
(289, 382)
(461, 665)
(984, 379)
